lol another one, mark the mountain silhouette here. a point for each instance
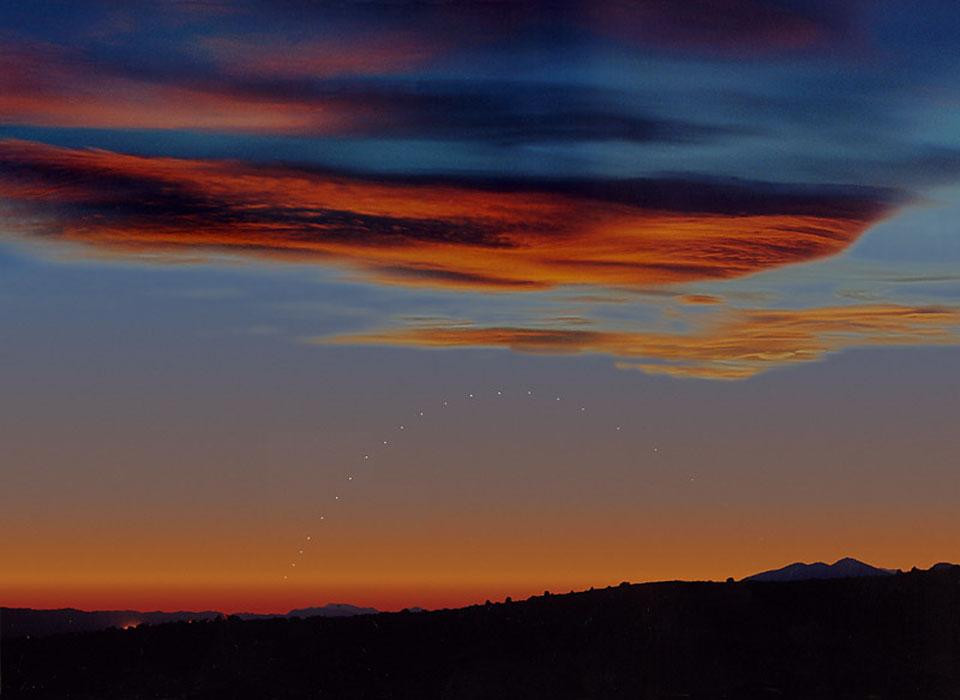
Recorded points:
(848, 567)
(28, 622)
(853, 638)
(328, 610)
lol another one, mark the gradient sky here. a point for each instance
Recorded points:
(243, 241)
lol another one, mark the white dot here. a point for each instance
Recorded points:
(558, 398)
(321, 517)
(582, 409)
(349, 478)
(618, 427)
(470, 395)
(300, 552)
(308, 536)
(293, 564)
(421, 413)
(529, 393)
(384, 442)
(284, 578)
(499, 393)
(401, 427)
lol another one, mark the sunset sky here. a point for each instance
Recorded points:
(674, 285)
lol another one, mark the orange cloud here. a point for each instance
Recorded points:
(701, 299)
(479, 234)
(49, 85)
(741, 345)
(371, 54)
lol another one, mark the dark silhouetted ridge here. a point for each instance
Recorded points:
(328, 610)
(847, 567)
(27, 622)
(890, 637)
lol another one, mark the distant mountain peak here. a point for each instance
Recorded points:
(848, 567)
(332, 610)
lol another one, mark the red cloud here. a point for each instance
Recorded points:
(370, 54)
(740, 345)
(49, 85)
(482, 234)
(722, 26)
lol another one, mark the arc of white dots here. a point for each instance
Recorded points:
(402, 427)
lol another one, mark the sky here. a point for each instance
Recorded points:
(656, 290)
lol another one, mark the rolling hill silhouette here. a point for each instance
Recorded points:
(895, 636)
(27, 622)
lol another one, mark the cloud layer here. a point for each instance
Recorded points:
(327, 86)
(735, 346)
(470, 232)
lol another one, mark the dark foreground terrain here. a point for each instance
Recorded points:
(26, 622)
(879, 637)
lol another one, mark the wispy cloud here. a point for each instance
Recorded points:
(342, 86)
(364, 54)
(733, 27)
(735, 345)
(468, 233)
(44, 84)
